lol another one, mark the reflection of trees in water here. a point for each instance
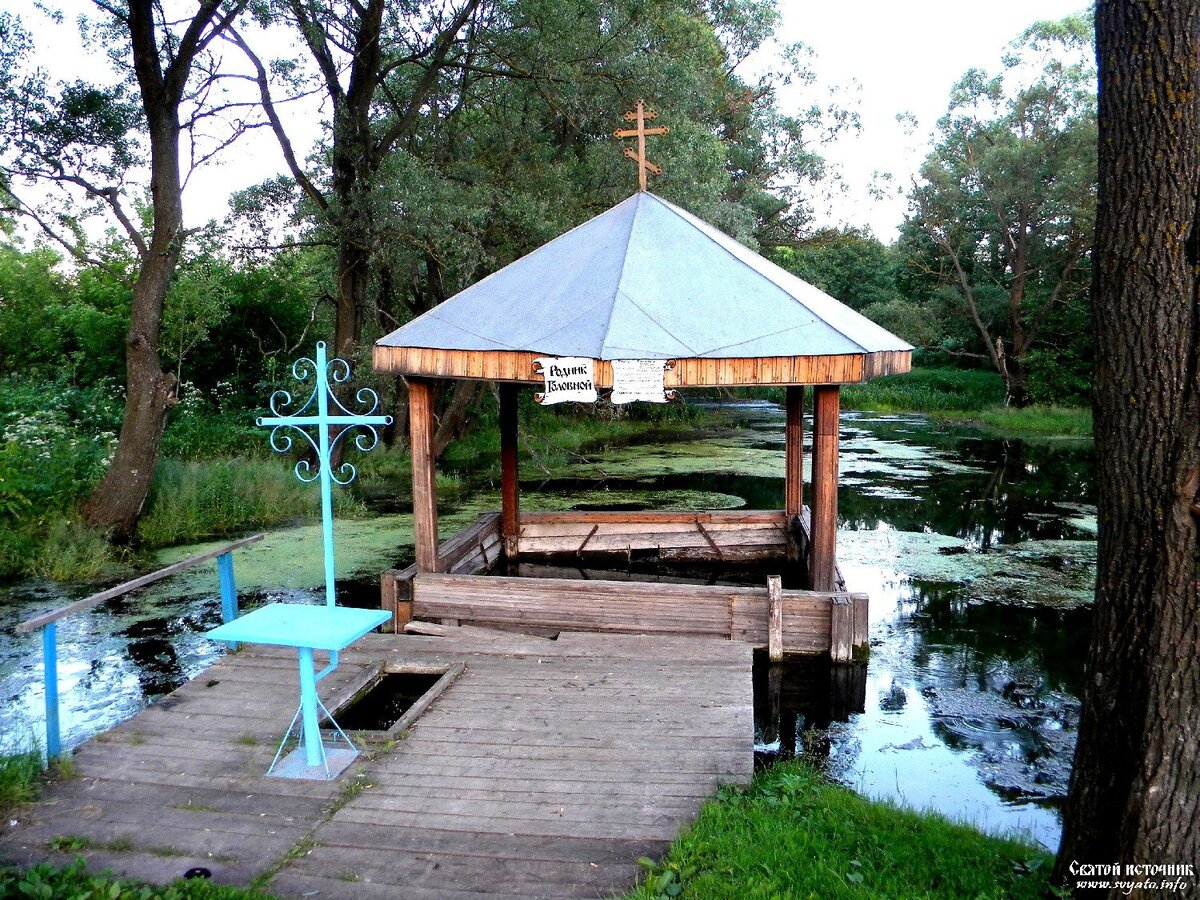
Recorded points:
(1014, 498)
(795, 702)
(1001, 680)
(151, 650)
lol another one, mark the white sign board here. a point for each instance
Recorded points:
(639, 379)
(568, 379)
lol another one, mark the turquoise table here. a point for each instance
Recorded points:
(307, 628)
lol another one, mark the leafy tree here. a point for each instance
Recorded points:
(851, 265)
(83, 140)
(1007, 198)
(1134, 794)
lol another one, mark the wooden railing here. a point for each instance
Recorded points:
(48, 622)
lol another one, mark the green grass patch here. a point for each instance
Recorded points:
(927, 390)
(967, 396)
(20, 778)
(793, 833)
(191, 501)
(43, 881)
(1050, 421)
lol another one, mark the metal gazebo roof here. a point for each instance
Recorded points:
(646, 280)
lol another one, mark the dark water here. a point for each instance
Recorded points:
(969, 702)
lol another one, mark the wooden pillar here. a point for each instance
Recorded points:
(510, 491)
(793, 480)
(420, 430)
(823, 547)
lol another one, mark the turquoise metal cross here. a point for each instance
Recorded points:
(316, 411)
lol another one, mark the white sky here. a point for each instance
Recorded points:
(905, 56)
(892, 56)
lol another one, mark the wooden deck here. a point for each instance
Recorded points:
(545, 770)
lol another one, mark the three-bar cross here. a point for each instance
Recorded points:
(640, 115)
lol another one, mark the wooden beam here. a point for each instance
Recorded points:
(794, 443)
(421, 430)
(793, 482)
(125, 587)
(841, 628)
(774, 618)
(517, 365)
(510, 491)
(823, 546)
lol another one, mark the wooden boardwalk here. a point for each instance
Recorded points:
(545, 770)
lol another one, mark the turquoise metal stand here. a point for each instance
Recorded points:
(307, 628)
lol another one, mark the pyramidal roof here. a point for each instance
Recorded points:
(645, 280)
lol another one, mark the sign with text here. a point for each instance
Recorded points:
(639, 380)
(568, 379)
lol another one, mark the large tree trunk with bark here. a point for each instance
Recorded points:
(1135, 787)
(117, 502)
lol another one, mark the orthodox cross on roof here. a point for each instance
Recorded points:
(640, 115)
(333, 422)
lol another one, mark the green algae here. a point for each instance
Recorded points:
(1059, 573)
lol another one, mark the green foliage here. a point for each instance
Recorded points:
(54, 445)
(20, 778)
(927, 390)
(190, 501)
(1003, 217)
(849, 265)
(794, 834)
(46, 882)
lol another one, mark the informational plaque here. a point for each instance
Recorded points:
(639, 379)
(568, 379)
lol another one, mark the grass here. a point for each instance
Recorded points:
(928, 390)
(191, 501)
(45, 881)
(793, 833)
(971, 397)
(20, 779)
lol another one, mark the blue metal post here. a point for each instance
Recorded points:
(326, 479)
(229, 604)
(50, 675)
(314, 752)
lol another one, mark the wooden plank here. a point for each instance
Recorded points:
(823, 544)
(841, 628)
(517, 366)
(794, 452)
(510, 491)
(861, 603)
(652, 517)
(775, 612)
(125, 587)
(421, 430)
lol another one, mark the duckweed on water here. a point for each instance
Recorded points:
(1057, 573)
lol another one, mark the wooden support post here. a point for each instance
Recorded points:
(510, 491)
(841, 628)
(395, 596)
(775, 618)
(822, 559)
(421, 429)
(861, 625)
(793, 482)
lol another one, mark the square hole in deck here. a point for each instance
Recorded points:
(392, 700)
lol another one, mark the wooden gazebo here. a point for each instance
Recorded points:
(643, 280)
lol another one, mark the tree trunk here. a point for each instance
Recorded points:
(1135, 787)
(117, 501)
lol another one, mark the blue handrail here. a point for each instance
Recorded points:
(48, 622)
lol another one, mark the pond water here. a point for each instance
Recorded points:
(978, 555)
